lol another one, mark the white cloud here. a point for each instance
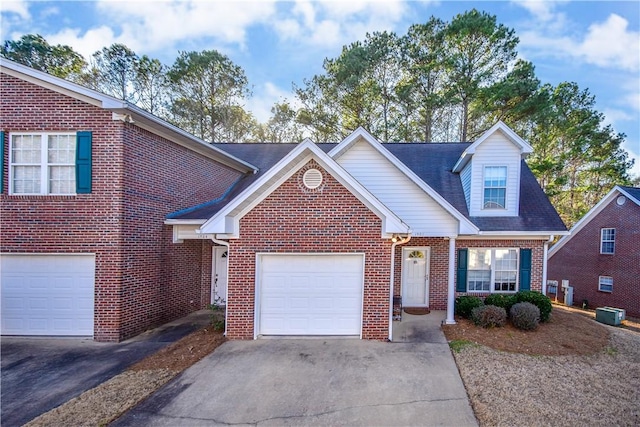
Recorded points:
(89, 42)
(18, 7)
(13, 14)
(264, 96)
(543, 10)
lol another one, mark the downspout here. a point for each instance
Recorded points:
(451, 287)
(544, 265)
(393, 270)
(226, 305)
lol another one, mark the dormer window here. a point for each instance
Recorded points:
(495, 187)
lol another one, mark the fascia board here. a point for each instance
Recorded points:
(585, 220)
(183, 221)
(344, 145)
(628, 195)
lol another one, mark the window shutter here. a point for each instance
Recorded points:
(525, 269)
(83, 162)
(1, 161)
(461, 281)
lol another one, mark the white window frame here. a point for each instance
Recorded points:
(601, 280)
(492, 280)
(485, 187)
(611, 240)
(43, 164)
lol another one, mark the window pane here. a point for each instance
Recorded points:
(506, 265)
(26, 179)
(62, 179)
(479, 280)
(62, 149)
(607, 242)
(605, 284)
(26, 149)
(495, 187)
(479, 259)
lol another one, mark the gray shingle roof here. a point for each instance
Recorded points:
(429, 161)
(632, 191)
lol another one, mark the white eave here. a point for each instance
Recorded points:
(225, 224)
(465, 225)
(136, 115)
(525, 148)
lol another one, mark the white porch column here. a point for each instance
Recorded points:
(451, 288)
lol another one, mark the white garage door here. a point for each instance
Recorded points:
(47, 294)
(310, 294)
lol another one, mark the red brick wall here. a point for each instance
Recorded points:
(141, 277)
(537, 256)
(580, 261)
(438, 269)
(296, 220)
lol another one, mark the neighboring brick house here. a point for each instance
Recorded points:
(294, 239)
(601, 256)
(86, 182)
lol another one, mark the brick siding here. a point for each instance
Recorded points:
(142, 279)
(293, 219)
(581, 262)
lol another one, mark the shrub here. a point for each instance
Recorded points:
(525, 315)
(465, 304)
(501, 300)
(539, 300)
(489, 316)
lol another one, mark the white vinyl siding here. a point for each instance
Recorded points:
(393, 188)
(465, 178)
(495, 151)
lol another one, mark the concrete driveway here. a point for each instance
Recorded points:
(314, 382)
(39, 374)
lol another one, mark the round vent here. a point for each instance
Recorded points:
(621, 200)
(312, 179)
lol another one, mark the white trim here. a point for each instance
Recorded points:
(599, 207)
(184, 221)
(451, 284)
(492, 270)
(226, 222)
(600, 284)
(513, 235)
(506, 187)
(465, 226)
(602, 241)
(427, 284)
(258, 276)
(525, 148)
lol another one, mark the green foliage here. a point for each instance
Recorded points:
(525, 316)
(489, 316)
(458, 345)
(465, 304)
(218, 325)
(536, 298)
(501, 300)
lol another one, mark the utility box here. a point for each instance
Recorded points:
(621, 310)
(568, 296)
(608, 316)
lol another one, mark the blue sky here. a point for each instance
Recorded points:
(593, 43)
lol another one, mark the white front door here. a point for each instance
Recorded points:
(219, 289)
(415, 277)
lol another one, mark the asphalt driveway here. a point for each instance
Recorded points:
(313, 382)
(39, 374)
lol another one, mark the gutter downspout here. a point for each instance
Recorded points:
(544, 265)
(393, 270)
(226, 305)
(451, 288)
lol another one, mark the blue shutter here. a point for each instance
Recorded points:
(461, 281)
(525, 269)
(1, 161)
(83, 162)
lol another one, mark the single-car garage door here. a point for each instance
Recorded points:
(310, 294)
(47, 294)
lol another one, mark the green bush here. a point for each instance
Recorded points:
(465, 304)
(501, 300)
(525, 315)
(539, 300)
(489, 316)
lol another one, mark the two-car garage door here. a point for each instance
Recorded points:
(47, 294)
(319, 294)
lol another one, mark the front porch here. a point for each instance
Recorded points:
(419, 328)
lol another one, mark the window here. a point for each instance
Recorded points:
(495, 187)
(607, 240)
(605, 284)
(43, 163)
(492, 270)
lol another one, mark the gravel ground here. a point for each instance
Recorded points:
(508, 389)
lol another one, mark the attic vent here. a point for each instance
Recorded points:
(312, 179)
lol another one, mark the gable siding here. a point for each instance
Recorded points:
(465, 177)
(397, 192)
(496, 150)
(581, 262)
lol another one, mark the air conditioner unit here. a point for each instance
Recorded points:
(608, 316)
(565, 284)
(623, 312)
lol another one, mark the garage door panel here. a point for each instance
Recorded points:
(310, 294)
(47, 294)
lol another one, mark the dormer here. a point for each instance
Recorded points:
(490, 172)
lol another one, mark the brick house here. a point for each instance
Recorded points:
(294, 239)
(601, 256)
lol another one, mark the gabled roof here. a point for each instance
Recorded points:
(226, 220)
(632, 193)
(124, 111)
(525, 148)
